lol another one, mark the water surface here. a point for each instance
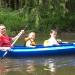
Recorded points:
(52, 65)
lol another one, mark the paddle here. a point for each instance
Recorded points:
(17, 37)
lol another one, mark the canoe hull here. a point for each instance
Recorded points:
(20, 51)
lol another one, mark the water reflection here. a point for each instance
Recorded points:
(3, 69)
(38, 66)
(30, 67)
(50, 66)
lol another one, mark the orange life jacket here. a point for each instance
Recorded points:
(32, 41)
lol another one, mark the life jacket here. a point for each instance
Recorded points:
(46, 43)
(32, 41)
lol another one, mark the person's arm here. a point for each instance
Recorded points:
(26, 39)
(22, 31)
(55, 42)
(1, 41)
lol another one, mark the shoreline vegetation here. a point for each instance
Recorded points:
(37, 15)
(40, 38)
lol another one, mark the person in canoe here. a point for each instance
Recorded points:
(30, 40)
(5, 40)
(52, 40)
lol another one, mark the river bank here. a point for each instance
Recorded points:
(64, 36)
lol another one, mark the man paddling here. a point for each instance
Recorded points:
(5, 40)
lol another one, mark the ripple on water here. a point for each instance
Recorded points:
(38, 66)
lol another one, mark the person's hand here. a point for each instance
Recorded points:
(59, 40)
(22, 31)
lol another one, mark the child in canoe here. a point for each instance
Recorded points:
(52, 40)
(30, 40)
(5, 40)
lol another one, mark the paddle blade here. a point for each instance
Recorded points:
(4, 54)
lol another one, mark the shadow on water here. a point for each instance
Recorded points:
(57, 65)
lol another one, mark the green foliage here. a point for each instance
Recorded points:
(12, 20)
(38, 15)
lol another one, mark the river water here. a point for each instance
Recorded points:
(51, 65)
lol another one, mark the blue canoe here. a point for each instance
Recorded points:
(40, 50)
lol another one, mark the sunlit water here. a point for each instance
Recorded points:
(53, 65)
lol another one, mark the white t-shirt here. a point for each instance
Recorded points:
(52, 41)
